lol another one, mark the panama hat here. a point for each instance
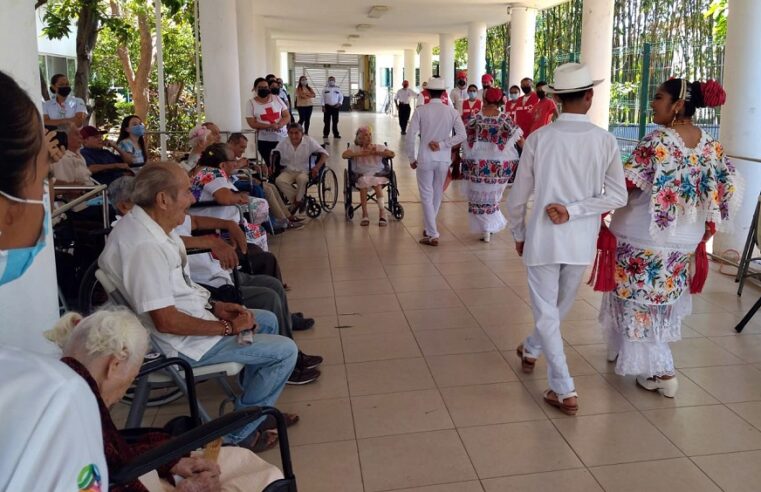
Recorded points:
(571, 77)
(436, 84)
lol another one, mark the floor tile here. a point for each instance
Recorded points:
(472, 368)
(413, 270)
(507, 338)
(362, 287)
(565, 480)
(750, 411)
(747, 347)
(312, 307)
(486, 404)
(677, 475)
(440, 318)
(474, 486)
(309, 290)
(689, 394)
(582, 332)
(453, 341)
(327, 467)
(332, 384)
(329, 348)
(400, 413)
(734, 472)
(425, 458)
(595, 396)
(730, 384)
(701, 352)
(468, 281)
(379, 346)
(320, 421)
(369, 323)
(718, 324)
(495, 296)
(376, 303)
(517, 312)
(388, 376)
(324, 327)
(705, 430)
(420, 284)
(577, 366)
(357, 273)
(615, 438)
(429, 300)
(517, 448)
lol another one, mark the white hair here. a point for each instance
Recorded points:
(106, 332)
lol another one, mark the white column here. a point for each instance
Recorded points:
(221, 77)
(273, 56)
(249, 51)
(426, 62)
(28, 305)
(597, 54)
(476, 52)
(398, 76)
(409, 67)
(446, 59)
(740, 118)
(522, 30)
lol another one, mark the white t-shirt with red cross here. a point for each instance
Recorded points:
(268, 113)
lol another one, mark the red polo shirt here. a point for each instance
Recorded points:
(523, 108)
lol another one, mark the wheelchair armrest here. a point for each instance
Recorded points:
(162, 362)
(197, 251)
(182, 445)
(207, 203)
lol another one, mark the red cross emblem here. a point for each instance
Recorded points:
(270, 116)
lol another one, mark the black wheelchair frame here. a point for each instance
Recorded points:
(326, 182)
(392, 190)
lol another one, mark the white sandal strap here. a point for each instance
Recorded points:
(562, 397)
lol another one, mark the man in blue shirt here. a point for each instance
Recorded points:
(104, 165)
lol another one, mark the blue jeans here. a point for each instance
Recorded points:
(269, 362)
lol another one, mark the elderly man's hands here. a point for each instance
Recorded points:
(199, 474)
(237, 236)
(226, 254)
(240, 317)
(54, 149)
(187, 467)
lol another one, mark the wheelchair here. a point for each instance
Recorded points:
(392, 190)
(326, 183)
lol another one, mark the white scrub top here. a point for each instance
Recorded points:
(50, 430)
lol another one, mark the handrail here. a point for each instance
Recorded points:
(741, 158)
(90, 192)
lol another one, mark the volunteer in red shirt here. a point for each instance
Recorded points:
(512, 100)
(425, 97)
(524, 106)
(470, 105)
(545, 110)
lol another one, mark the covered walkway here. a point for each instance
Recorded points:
(421, 386)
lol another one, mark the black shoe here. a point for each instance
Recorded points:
(308, 361)
(303, 376)
(404, 133)
(336, 136)
(298, 314)
(301, 324)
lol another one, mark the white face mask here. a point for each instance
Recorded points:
(331, 83)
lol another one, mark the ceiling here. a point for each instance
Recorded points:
(323, 26)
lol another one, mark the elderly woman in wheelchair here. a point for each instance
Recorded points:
(107, 349)
(369, 171)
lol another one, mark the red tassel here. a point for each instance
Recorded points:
(603, 278)
(701, 269)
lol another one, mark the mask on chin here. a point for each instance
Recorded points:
(15, 262)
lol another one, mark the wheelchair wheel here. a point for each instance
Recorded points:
(313, 208)
(328, 190)
(398, 211)
(91, 293)
(349, 213)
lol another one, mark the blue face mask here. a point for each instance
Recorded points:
(472, 95)
(15, 262)
(138, 130)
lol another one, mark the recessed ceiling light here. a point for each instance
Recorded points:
(353, 36)
(340, 51)
(376, 11)
(346, 45)
(363, 27)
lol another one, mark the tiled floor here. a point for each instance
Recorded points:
(421, 389)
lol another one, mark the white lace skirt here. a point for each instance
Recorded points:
(641, 333)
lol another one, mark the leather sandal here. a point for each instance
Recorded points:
(429, 241)
(527, 364)
(558, 401)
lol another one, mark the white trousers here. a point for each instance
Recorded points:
(430, 183)
(553, 290)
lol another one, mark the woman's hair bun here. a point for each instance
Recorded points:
(712, 94)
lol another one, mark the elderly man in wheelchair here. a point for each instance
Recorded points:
(293, 157)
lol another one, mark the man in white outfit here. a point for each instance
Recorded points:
(574, 170)
(435, 123)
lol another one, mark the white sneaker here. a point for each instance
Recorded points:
(666, 387)
(612, 354)
(486, 237)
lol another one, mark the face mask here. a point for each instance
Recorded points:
(275, 90)
(461, 83)
(331, 83)
(138, 130)
(540, 94)
(513, 95)
(263, 92)
(63, 91)
(15, 262)
(526, 89)
(472, 95)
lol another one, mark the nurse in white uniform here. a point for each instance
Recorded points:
(50, 436)
(63, 107)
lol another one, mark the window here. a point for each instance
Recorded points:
(53, 64)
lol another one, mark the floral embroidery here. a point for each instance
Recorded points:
(483, 208)
(205, 176)
(682, 181)
(498, 130)
(489, 171)
(650, 276)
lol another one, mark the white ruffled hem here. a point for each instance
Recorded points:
(492, 223)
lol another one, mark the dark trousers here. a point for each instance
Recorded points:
(305, 115)
(265, 148)
(331, 113)
(404, 115)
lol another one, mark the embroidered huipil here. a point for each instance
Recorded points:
(675, 191)
(489, 163)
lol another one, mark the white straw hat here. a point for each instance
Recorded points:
(436, 84)
(571, 77)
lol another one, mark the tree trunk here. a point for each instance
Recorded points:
(87, 35)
